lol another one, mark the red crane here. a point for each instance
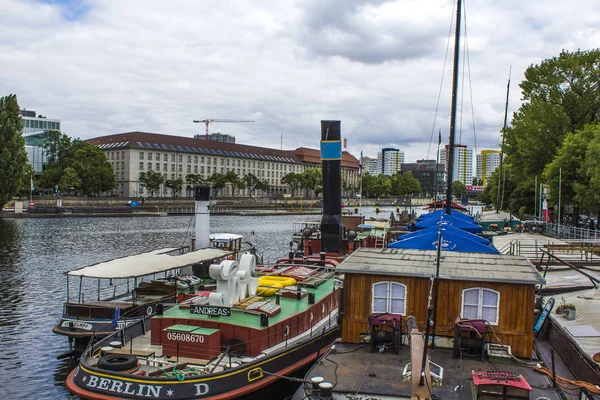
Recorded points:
(208, 121)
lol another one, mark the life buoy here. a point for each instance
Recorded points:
(269, 285)
(118, 362)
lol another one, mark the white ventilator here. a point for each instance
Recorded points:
(234, 280)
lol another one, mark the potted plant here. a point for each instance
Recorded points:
(561, 307)
(570, 310)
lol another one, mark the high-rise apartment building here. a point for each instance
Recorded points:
(431, 175)
(462, 170)
(487, 162)
(391, 159)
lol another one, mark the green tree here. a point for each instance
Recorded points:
(293, 180)
(56, 147)
(195, 180)
(152, 181)
(459, 189)
(13, 158)
(94, 171)
(404, 184)
(560, 97)
(312, 180)
(568, 164)
(218, 181)
(587, 188)
(175, 185)
(69, 180)
(235, 181)
(253, 183)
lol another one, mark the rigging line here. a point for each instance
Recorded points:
(462, 86)
(468, 59)
(437, 105)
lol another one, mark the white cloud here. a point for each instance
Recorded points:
(111, 66)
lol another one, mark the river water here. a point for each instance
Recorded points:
(35, 253)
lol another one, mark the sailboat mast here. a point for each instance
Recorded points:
(499, 198)
(450, 157)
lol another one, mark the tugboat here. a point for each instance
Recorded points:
(245, 333)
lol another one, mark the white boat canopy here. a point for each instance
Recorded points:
(147, 263)
(226, 237)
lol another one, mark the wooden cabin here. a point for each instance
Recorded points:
(498, 288)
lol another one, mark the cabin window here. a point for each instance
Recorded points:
(389, 297)
(480, 303)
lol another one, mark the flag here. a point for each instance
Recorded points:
(31, 182)
(345, 143)
(360, 164)
(440, 137)
(115, 319)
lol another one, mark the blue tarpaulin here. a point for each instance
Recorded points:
(451, 241)
(448, 228)
(451, 220)
(454, 213)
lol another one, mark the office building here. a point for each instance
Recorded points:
(431, 175)
(175, 157)
(35, 131)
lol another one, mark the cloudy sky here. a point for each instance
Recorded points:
(110, 66)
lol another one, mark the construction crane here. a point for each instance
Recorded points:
(207, 122)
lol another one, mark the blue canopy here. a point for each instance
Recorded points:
(451, 241)
(453, 213)
(457, 222)
(448, 228)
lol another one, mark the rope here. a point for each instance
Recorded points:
(289, 378)
(569, 384)
(369, 371)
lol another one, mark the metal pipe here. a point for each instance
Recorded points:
(553, 367)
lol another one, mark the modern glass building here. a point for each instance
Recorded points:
(35, 133)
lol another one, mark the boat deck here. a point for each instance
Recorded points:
(352, 369)
(239, 317)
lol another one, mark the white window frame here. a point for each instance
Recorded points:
(480, 305)
(388, 298)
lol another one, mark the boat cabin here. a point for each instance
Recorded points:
(494, 288)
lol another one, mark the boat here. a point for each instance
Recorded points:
(253, 325)
(425, 318)
(109, 296)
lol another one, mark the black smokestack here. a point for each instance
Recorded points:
(331, 164)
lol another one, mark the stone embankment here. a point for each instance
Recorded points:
(120, 206)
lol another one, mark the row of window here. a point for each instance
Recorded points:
(274, 174)
(224, 161)
(41, 124)
(477, 303)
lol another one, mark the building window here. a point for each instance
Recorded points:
(189, 158)
(117, 166)
(244, 163)
(141, 166)
(149, 166)
(195, 169)
(172, 157)
(214, 160)
(227, 161)
(112, 156)
(389, 297)
(222, 161)
(158, 166)
(172, 176)
(202, 160)
(117, 155)
(172, 167)
(165, 167)
(189, 169)
(122, 164)
(208, 170)
(180, 168)
(149, 156)
(180, 158)
(480, 303)
(202, 169)
(122, 175)
(166, 158)
(195, 159)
